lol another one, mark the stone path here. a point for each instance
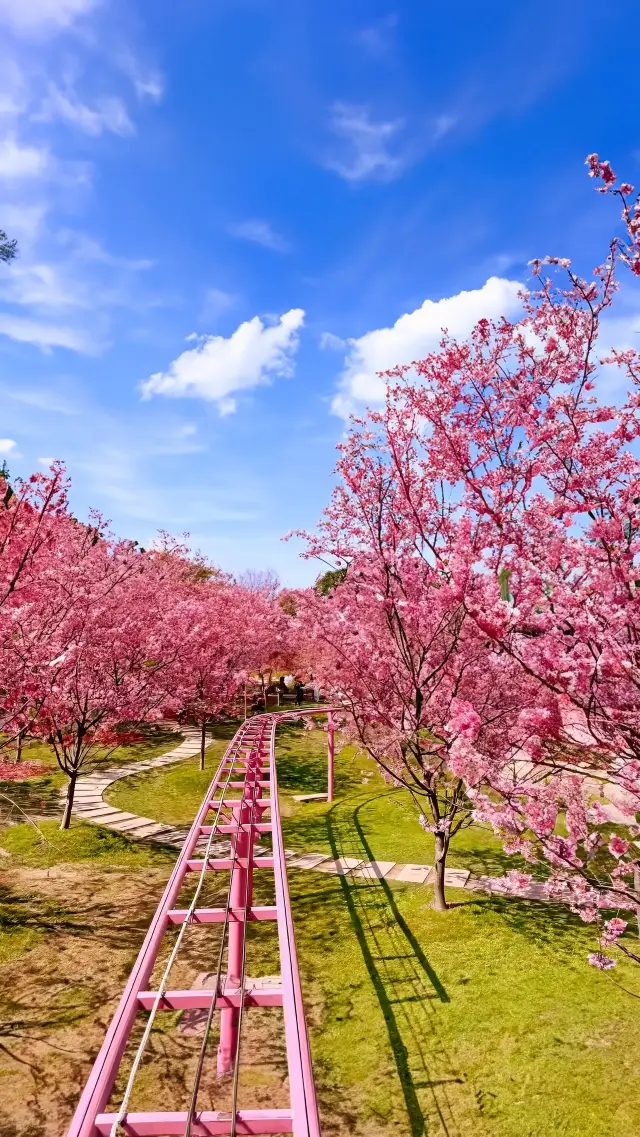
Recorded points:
(89, 805)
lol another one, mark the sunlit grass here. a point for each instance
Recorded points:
(482, 1020)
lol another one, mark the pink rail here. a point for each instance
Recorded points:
(250, 761)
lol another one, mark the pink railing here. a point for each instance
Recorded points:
(248, 766)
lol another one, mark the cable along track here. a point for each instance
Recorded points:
(243, 790)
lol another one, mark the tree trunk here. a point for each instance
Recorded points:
(636, 889)
(203, 744)
(68, 805)
(439, 898)
(19, 746)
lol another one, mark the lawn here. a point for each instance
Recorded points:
(482, 1020)
(178, 794)
(40, 796)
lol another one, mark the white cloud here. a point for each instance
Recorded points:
(218, 366)
(23, 221)
(151, 86)
(45, 286)
(21, 162)
(148, 83)
(13, 95)
(329, 342)
(64, 105)
(42, 399)
(66, 301)
(46, 336)
(261, 233)
(37, 15)
(8, 446)
(442, 125)
(367, 150)
(413, 336)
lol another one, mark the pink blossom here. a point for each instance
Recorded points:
(518, 881)
(618, 846)
(602, 962)
(464, 721)
(613, 929)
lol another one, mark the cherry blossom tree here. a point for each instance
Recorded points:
(214, 626)
(96, 662)
(33, 514)
(541, 484)
(392, 639)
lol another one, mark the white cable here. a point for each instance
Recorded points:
(163, 982)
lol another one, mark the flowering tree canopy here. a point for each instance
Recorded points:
(487, 523)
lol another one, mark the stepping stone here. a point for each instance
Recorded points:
(341, 866)
(456, 878)
(165, 836)
(308, 861)
(125, 822)
(153, 829)
(411, 874)
(104, 810)
(375, 870)
(535, 891)
(133, 824)
(311, 797)
(107, 815)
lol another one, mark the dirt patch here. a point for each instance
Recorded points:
(76, 933)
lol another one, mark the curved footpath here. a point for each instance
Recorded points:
(89, 805)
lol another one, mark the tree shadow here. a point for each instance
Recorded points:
(302, 762)
(407, 989)
(95, 919)
(538, 921)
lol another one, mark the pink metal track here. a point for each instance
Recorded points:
(244, 789)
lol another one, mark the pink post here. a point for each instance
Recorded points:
(241, 897)
(229, 1016)
(330, 754)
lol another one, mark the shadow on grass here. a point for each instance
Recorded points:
(99, 921)
(37, 797)
(302, 762)
(406, 986)
(485, 861)
(543, 924)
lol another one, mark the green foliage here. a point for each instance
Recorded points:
(8, 247)
(329, 581)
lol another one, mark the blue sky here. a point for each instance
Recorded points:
(231, 214)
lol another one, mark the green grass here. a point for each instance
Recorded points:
(486, 1019)
(174, 795)
(82, 842)
(376, 821)
(40, 796)
(483, 1020)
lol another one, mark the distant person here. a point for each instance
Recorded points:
(299, 694)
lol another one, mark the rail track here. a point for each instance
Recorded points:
(244, 790)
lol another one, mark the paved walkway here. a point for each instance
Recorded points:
(89, 805)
